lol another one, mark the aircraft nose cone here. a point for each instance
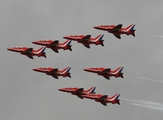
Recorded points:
(61, 89)
(36, 69)
(10, 49)
(86, 69)
(66, 37)
(96, 27)
(35, 42)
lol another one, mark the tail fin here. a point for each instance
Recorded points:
(41, 50)
(118, 70)
(115, 99)
(130, 28)
(66, 70)
(99, 37)
(91, 90)
(67, 43)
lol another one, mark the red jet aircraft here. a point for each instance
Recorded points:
(78, 91)
(86, 40)
(54, 72)
(117, 30)
(106, 72)
(54, 45)
(29, 52)
(103, 99)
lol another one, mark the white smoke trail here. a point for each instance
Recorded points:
(150, 79)
(160, 36)
(146, 104)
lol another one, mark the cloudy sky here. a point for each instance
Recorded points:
(26, 94)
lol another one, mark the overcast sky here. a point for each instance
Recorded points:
(29, 95)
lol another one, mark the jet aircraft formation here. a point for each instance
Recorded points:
(86, 40)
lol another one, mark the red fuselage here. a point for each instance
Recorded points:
(53, 71)
(24, 51)
(110, 27)
(49, 44)
(97, 97)
(100, 70)
(80, 39)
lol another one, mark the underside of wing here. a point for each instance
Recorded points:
(79, 91)
(117, 35)
(87, 45)
(30, 56)
(55, 50)
(80, 96)
(55, 76)
(117, 28)
(28, 51)
(106, 70)
(54, 43)
(53, 71)
(87, 37)
(104, 103)
(102, 98)
(107, 77)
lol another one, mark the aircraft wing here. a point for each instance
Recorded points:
(30, 56)
(28, 51)
(80, 96)
(86, 38)
(106, 70)
(54, 43)
(117, 28)
(87, 45)
(55, 50)
(53, 71)
(117, 35)
(102, 98)
(104, 103)
(55, 76)
(79, 91)
(107, 77)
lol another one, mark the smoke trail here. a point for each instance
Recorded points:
(146, 104)
(160, 36)
(149, 79)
